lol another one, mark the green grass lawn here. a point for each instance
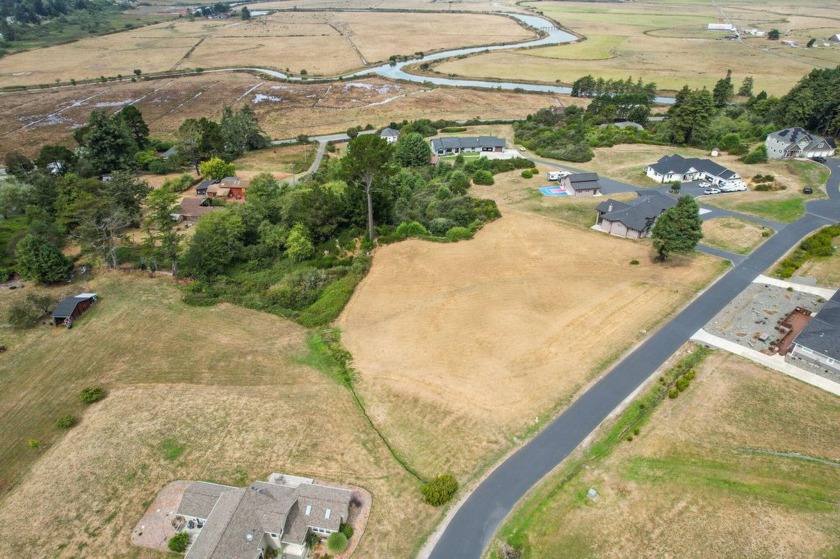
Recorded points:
(810, 173)
(784, 210)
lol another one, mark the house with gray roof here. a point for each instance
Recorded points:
(581, 184)
(250, 522)
(634, 219)
(798, 142)
(818, 344)
(390, 135)
(454, 145)
(672, 168)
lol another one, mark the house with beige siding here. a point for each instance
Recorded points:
(634, 219)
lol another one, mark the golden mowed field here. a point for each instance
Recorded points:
(461, 348)
(320, 43)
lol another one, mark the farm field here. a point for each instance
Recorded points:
(284, 110)
(220, 393)
(666, 42)
(701, 478)
(319, 43)
(463, 349)
(733, 234)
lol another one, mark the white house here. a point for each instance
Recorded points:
(796, 142)
(672, 168)
(834, 38)
(721, 27)
(456, 145)
(390, 135)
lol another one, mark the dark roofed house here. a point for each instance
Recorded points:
(201, 189)
(797, 142)
(818, 345)
(454, 145)
(632, 220)
(671, 168)
(245, 523)
(193, 207)
(71, 308)
(581, 184)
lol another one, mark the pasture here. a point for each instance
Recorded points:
(285, 110)
(220, 393)
(321, 44)
(464, 349)
(744, 463)
(666, 42)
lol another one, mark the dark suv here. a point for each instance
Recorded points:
(807, 190)
(818, 159)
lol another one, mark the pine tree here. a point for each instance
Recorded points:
(678, 229)
(39, 260)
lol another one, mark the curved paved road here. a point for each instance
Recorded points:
(472, 527)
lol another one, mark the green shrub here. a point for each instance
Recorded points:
(347, 530)
(526, 174)
(66, 421)
(454, 129)
(634, 262)
(758, 155)
(673, 393)
(179, 542)
(336, 542)
(764, 187)
(443, 193)
(682, 384)
(34, 443)
(312, 539)
(91, 394)
(459, 234)
(413, 229)
(483, 177)
(439, 490)
(440, 225)
(535, 171)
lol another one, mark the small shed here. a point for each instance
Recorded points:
(72, 308)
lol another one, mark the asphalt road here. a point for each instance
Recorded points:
(480, 515)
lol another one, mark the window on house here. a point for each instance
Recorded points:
(308, 509)
(806, 350)
(327, 514)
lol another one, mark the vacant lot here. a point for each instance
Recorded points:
(666, 42)
(462, 348)
(320, 43)
(701, 479)
(280, 161)
(215, 393)
(825, 270)
(735, 235)
(284, 110)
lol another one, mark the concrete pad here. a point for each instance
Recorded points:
(823, 292)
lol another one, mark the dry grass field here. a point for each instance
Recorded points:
(464, 348)
(284, 110)
(700, 480)
(825, 270)
(280, 161)
(733, 234)
(219, 393)
(320, 43)
(666, 42)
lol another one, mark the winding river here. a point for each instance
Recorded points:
(553, 36)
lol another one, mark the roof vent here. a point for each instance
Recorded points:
(249, 536)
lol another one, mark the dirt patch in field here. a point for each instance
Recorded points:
(463, 347)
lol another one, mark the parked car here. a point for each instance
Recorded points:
(712, 191)
(807, 190)
(818, 159)
(521, 149)
(705, 185)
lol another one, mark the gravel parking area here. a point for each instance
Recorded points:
(751, 318)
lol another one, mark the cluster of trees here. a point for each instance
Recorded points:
(22, 19)
(617, 99)
(235, 134)
(813, 103)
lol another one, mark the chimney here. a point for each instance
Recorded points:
(609, 208)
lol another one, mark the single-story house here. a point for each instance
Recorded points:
(632, 220)
(201, 189)
(671, 168)
(720, 27)
(834, 38)
(246, 522)
(581, 184)
(454, 145)
(818, 345)
(71, 308)
(797, 142)
(390, 135)
(193, 207)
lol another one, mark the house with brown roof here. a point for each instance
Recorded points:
(250, 522)
(193, 207)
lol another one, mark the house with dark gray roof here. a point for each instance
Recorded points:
(454, 145)
(672, 168)
(249, 522)
(581, 184)
(634, 219)
(390, 135)
(818, 344)
(798, 142)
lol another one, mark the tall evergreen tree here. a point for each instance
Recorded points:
(724, 91)
(678, 229)
(38, 260)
